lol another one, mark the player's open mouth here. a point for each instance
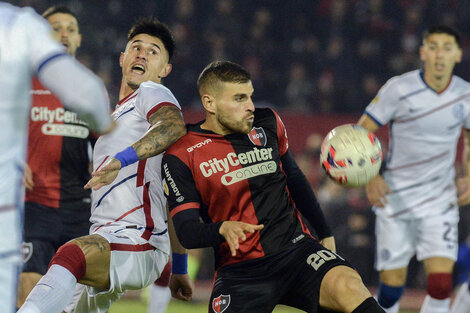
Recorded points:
(439, 67)
(138, 69)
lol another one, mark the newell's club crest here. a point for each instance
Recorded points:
(258, 136)
(26, 251)
(220, 303)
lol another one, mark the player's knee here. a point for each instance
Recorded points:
(387, 295)
(440, 285)
(72, 258)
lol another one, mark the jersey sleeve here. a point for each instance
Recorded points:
(384, 106)
(283, 143)
(42, 47)
(153, 96)
(179, 185)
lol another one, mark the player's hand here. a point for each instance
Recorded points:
(376, 191)
(463, 190)
(181, 287)
(28, 178)
(234, 231)
(105, 176)
(329, 243)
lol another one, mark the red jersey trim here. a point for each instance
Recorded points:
(140, 173)
(128, 97)
(158, 106)
(122, 216)
(186, 206)
(127, 247)
(148, 213)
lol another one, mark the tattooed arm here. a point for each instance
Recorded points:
(167, 127)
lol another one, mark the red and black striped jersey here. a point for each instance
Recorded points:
(237, 177)
(58, 154)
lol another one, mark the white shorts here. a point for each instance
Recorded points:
(399, 239)
(134, 264)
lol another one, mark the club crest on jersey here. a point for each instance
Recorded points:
(220, 303)
(26, 251)
(258, 136)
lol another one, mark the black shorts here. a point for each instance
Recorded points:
(46, 229)
(291, 277)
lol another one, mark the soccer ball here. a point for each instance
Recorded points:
(351, 155)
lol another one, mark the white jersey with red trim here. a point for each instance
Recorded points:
(424, 130)
(135, 198)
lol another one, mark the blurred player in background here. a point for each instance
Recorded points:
(415, 198)
(234, 170)
(28, 48)
(57, 208)
(129, 246)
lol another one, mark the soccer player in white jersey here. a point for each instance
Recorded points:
(415, 199)
(27, 48)
(129, 244)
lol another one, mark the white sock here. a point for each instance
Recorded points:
(159, 299)
(462, 300)
(431, 305)
(52, 293)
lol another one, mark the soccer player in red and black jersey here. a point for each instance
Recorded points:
(57, 208)
(234, 170)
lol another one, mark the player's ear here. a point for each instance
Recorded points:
(121, 59)
(166, 71)
(208, 102)
(458, 59)
(79, 40)
(421, 53)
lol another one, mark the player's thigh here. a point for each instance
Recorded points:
(395, 242)
(302, 279)
(342, 289)
(133, 263)
(438, 236)
(97, 252)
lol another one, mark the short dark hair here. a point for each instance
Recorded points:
(442, 29)
(222, 71)
(58, 9)
(153, 27)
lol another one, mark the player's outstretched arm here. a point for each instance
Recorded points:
(377, 188)
(167, 127)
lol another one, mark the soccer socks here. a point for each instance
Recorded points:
(368, 306)
(159, 298)
(431, 305)
(52, 293)
(439, 289)
(462, 300)
(388, 297)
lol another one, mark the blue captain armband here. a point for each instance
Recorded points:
(179, 263)
(127, 156)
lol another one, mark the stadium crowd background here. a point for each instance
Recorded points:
(307, 57)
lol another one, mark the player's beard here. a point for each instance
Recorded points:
(244, 126)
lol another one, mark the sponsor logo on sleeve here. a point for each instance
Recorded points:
(170, 181)
(221, 303)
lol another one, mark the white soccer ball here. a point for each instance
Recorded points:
(351, 155)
